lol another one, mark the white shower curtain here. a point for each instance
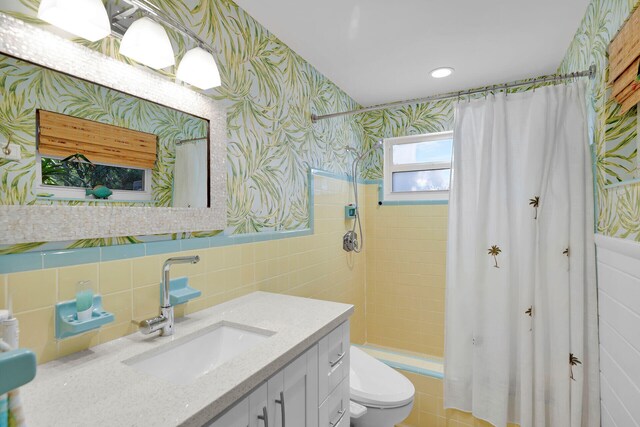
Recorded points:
(190, 175)
(521, 317)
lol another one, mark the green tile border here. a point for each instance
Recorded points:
(67, 257)
(36, 260)
(21, 262)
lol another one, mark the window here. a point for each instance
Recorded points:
(418, 167)
(75, 154)
(71, 177)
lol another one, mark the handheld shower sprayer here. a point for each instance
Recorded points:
(350, 241)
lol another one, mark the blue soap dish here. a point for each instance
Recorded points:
(67, 323)
(18, 367)
(180, 291)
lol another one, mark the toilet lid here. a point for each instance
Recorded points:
(375, 384)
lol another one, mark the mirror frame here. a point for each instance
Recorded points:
(45, 223)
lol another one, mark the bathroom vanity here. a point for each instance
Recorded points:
(254, 361)
(311, 391)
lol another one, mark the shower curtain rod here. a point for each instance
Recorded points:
(591, 72)
(182, 141)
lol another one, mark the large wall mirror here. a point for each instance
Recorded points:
(85, 144)
(111, 149)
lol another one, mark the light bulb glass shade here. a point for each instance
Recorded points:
(83, 18)
(198, 68)
(147, 42)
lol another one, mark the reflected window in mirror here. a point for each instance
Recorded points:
(70, 177)
(83, 159)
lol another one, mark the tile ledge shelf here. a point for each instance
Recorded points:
(71, 199)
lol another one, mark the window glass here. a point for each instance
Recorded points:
(59, 173)
(438, 151)
(424, 180)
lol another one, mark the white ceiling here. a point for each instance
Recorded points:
(383, 50)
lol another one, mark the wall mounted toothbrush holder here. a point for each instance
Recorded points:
(68, 325)
(180, 291)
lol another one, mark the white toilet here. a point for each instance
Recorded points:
(386, 393)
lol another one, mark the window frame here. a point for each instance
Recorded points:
(77, 193)
(389, 168)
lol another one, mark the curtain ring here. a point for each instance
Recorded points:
(535, 80)
(469, 96)
(459, 92)
(506, 92)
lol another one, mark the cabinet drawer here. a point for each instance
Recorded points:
(333, 360)
(334, 412)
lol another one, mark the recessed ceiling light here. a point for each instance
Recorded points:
(441, 72)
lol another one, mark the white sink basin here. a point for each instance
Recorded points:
(187, 359)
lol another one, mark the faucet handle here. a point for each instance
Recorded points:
(152, 325)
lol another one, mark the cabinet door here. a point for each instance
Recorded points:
(301, 390)
(275, 386)
(293, 393)
(258, 407)
(237, 416)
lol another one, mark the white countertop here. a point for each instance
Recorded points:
(94, 387)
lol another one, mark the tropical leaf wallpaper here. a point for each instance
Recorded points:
(26, 87)
(615, 135)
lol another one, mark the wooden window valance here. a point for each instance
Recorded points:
(624, 63)
(62, 135)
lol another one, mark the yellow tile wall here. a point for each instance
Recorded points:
(406, 250)
(312, 266)
(428, 408)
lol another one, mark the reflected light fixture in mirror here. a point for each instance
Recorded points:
(198, 68)
(84, 18)
(147, 42)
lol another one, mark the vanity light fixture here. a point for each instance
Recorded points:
(441, 72)
(83, 18)
(198, 68)
(147, 42)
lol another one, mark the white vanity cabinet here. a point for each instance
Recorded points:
(311, 391)
(334, 391)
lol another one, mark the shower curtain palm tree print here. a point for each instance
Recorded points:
(521, 323)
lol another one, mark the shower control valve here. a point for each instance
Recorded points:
(350, 241)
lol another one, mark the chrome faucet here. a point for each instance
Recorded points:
(164, 322)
